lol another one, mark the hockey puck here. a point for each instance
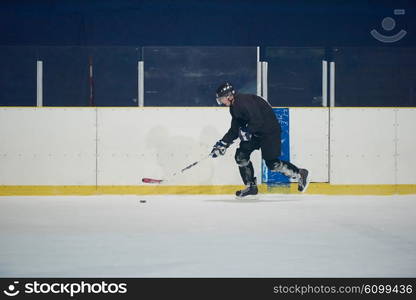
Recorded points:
(142, 201)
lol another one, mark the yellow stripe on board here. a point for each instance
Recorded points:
(314, 189)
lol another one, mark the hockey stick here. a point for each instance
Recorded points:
(152, 180)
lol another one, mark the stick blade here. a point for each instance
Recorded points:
(151, 180)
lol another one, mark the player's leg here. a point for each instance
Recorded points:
(286, 168)
(245, 166)
(270, 148)
(290, 170)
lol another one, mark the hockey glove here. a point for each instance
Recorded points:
(244, 134)
(219, 148)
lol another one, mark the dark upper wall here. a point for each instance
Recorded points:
(202, 22)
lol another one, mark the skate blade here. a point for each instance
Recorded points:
(248, 197)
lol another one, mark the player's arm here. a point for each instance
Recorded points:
(232, 133)
(221, 146)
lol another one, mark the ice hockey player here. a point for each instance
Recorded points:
(255, 123)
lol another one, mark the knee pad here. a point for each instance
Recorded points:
(241, 159)
(273, 165)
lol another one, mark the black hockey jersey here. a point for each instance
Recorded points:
(254, 113)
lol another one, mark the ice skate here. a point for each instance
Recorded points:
(303, 180)
(249, 192)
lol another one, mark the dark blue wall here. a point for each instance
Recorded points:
(294, 36)
(200, 22)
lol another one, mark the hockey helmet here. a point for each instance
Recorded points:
(225, 89)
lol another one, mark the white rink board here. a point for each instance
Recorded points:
(47, 146)
(406, 146)
(57, 146)
(156, 142)
(309, 141)
(362, 146)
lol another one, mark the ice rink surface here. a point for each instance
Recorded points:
(208, 236)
